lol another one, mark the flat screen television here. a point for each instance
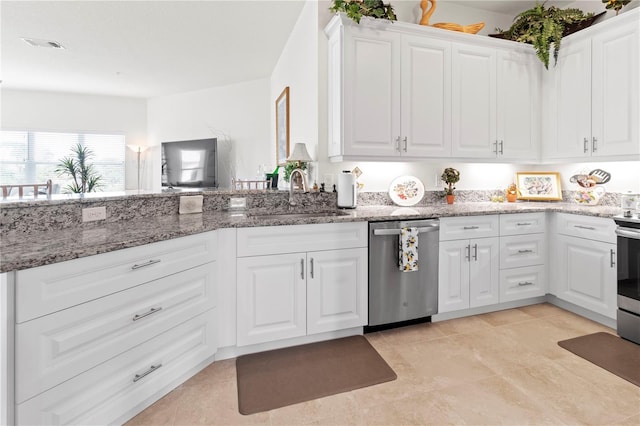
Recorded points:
(190, 164)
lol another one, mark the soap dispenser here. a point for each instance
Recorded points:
(347, 190)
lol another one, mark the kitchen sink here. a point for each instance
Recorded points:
(300, 215)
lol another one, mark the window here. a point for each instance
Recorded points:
(31, 157)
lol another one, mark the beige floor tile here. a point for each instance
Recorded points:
(508, 316)
(318, 411)
(411, 334)
(219, 371)
(162, 412)
(495, 401)
(462, 325)
(629, 421)
(541, 310)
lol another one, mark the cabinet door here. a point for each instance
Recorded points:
(473, 101)
(426, 97)
(453, 276)
(484, 285)
(587, 274)
(371, 93)
(615, 91)
(569, 107)
(518, 105)
(271, 298)
(336, 290)
(522, 283)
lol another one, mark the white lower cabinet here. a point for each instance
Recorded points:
(287, 295)
(587, 274)
(105, 393)
(522, 283)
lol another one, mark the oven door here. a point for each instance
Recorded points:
(629, 263)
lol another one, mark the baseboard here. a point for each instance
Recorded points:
(236, 351)
(489, 308)
(579, 310)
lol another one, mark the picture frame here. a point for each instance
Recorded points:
(282, 127)
(542, 186)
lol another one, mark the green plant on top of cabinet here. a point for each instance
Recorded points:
(591, 96)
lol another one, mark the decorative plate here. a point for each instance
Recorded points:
(406, 191)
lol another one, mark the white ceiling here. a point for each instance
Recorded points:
(142, 48)
(152, 48)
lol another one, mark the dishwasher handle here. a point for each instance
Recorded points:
(421, 229)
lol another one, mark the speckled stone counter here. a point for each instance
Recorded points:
(22, 250)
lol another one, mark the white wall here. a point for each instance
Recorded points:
(70, 112)
(297, 68)
(238, 115)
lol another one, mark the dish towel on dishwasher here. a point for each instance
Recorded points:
(408, 250)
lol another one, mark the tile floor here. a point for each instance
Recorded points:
(499, 368)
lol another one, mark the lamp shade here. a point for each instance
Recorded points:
(300, 153)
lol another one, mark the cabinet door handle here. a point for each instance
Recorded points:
(501, 147)
(468, 255)
(525, 251)
(137, 317)
(311, 267)
(495, 147)
(149, 371)
(524, 224)
(405, 143)
(586, 145)
(590, 228)
(398, 144)
(471, 227)
(613, 258)
(475, 252)
(302, 268)
(595, 145)
(145, 264)
(524, 283)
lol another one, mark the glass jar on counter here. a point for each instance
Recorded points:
(630, 201)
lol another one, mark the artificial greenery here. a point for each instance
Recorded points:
(543, 27)
(77, 166)
(291, 166)
(450, 176)
(356, 9)
(615, 4)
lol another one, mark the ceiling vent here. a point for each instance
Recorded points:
(34, 42)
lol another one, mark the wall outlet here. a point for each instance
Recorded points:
(191, 204)
(237, 203)
(94, 213)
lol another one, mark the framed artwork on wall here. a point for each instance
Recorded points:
(538, 186)
(282, 127)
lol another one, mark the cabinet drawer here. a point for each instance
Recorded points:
(522, 250)
(593, 228)
(465, 227)
(521, 283)
(107, 393)
(46, 289)
(300, 238)
(522, 223)
(57, 347)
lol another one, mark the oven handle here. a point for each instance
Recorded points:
(397, 231)
(628, 233)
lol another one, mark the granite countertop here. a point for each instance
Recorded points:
(22, 251)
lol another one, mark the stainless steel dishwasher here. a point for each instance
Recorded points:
(397, 296)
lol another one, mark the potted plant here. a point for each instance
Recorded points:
(544, 27)
(85, 178)
(615, 4)
(450, 176)
(291, 166)
(356, 9)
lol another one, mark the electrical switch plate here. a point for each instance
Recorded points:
(94, 213)
(191, 204)
(238, 203)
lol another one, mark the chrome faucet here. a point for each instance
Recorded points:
(305, 185)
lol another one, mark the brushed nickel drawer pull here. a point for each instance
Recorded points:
(501, 147)
(471, 227)
(311, 267)
(146, 314)
(302, 268)
(405, 143)
(468, 255)
(147, 263)
(398, 144)
(149, 371)
(586, 145)
(525, 251)
(524, 224)
(613, 258)
(595, 144)
(522, 284)
(590, 228)
(475, 252)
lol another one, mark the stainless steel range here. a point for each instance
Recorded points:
(628, 233)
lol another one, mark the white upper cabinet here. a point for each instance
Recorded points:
(474, 101)
(591, 96)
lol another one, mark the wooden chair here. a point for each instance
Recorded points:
(6, 189)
